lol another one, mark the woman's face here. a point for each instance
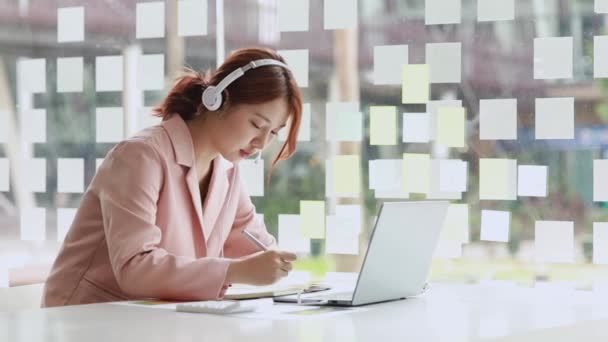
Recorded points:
(246, 129)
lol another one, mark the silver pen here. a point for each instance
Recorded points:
(253, 239)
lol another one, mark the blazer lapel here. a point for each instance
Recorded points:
(216, 196)
(195, 195)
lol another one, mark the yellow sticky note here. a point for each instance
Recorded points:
(383, 125)
(416, 171)
(347, 175)
(312, 215)
(497, 179)
(456, 224)
(415, 87)
(450, 126)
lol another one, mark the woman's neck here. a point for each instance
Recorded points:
(204, 153)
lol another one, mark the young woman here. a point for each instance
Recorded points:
(163, 216)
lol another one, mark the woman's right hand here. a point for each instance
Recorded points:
(262, 268)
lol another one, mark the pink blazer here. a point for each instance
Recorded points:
(142, 232)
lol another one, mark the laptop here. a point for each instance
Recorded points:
(398, 256)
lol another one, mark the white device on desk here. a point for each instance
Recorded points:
(221, 307)
(398, 256)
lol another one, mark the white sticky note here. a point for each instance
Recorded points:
(456, 224)
(388, 59)
(442, 12)
(329, 178)
(600, 181)
(553, 58)
(65, 217)
(3, 126)
(293, 15)
(497, 179)
(554, 118)
(432, 109)
(600, 243)
(382, 125)
(31, 75)
(290, 237)
(452, 175)
(339, 239)
(498, 119)
(252, 176)
(70, 175)
(34, 174)
(70, 24)
(600, 56)
(495, 10)
(70, 74)
(151, 72)
(297, 60)
(343, 121)
(146, 119)
(108, 73)
(304, 132)
(444, 60)
(191, 18)
(33, 224)
(109, 125)
(150, 20)
(554, 241)
(451, 123)
(434, 179)
(4, 175)
(339, 14)
(532, 180)
(347, 175)
(350, 216)
(416, 127)
(33, 126)
(416, 172)
(601, 6)
(98, 162)
(386, 174)
(415, 83)
(495, 225)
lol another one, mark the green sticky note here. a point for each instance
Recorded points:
(456, 224)
(312, 216)
(450, 126)
(415, 86)
(416, 171)
(383, 125)
(347, 175)
(497, 179)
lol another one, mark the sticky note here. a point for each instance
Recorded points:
(65, 217)
(532, 180)
(451, 126)
(382, 125)
(600, 181)
(297, 60)
(554, 118)
(600, 243)
(601, 6)
(70, 175)
(344, 121)
(31, 75)
(452, 175)
(387, 60)
(495, 10)
(33, 126)
(416, 127)
(4, 174)
(70, 24)
(109, 125)
(498, 119)
(252, 176)
(304, 132)
(33, 224)
(290, 236)
(434, 184)
(191, 18)
(350, 216)
(444, 61)
(442, 12)
(416, 171)
(432, 109)
(312, 214)
(108, 73)
(151, 72)
(495, 225)
(150, 20)
(145, 118)
(554, 241)
(386, 174)
(415, 86)
(329, 178)
(339, 14)
(600, 56)
(456, 224)
(339, 239)
(347, 175)
(70, 74)
(553, 58)
(293, 15)
(34, 174)
(497, 179)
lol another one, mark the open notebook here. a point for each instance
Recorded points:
(292, 284)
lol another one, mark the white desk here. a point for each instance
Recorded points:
(444, 313)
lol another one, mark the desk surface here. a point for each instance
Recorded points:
(445, 313)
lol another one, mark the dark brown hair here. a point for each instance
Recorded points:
(255, 86)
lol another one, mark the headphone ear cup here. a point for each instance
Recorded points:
(212, 99)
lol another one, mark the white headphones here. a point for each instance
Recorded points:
(212, 96)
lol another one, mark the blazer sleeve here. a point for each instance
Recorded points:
(128, 187)
(236, 244)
